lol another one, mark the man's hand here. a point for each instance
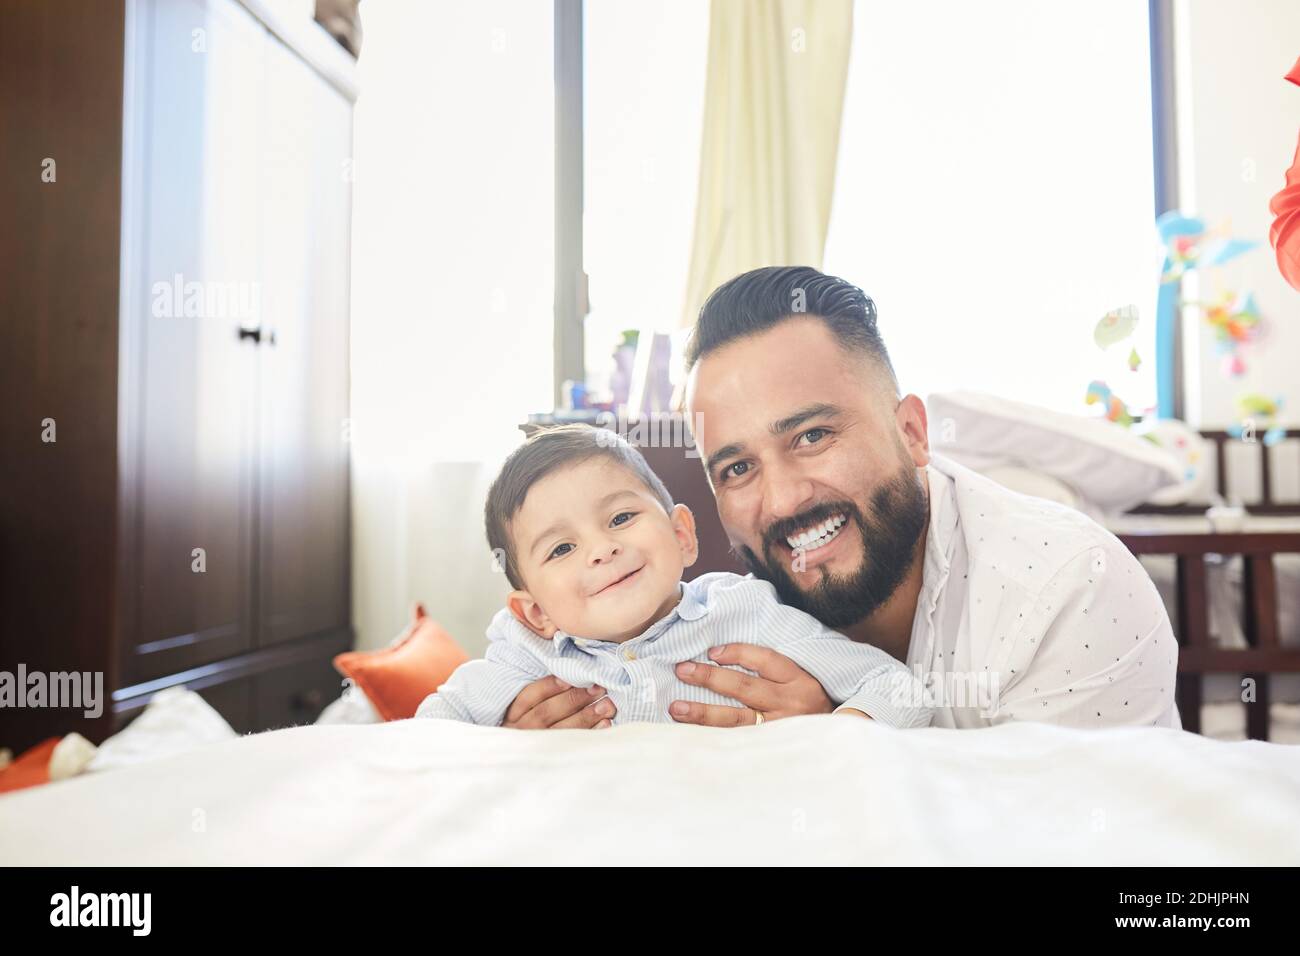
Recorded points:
(550, 703)
(781, 689)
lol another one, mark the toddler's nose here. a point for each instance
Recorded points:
(604, 553)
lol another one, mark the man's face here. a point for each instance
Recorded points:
(599, 556)
(814, 467)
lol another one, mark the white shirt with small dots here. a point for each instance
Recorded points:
(1056, 614)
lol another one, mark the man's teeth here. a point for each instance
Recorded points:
(810, 539)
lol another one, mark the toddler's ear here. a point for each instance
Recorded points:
(683, 522)
(530, 614)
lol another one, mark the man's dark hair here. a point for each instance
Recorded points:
(546, 451)
(755, 301)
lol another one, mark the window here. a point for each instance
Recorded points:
(994, 193)
(453, 226)
(644, 68)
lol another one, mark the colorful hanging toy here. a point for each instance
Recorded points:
(1234, 326)
(1188, 245)
(1116, 410)
(1114, 327)
(1258, 412)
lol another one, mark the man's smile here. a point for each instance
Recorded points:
(813, 540)
(822, 550)
(816, 536)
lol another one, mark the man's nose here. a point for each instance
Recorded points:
(786, 492)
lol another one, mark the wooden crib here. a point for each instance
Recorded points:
(1264, 654)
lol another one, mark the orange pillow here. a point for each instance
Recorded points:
(31, 768)
(398, 678)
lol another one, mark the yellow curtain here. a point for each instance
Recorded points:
(773, 99)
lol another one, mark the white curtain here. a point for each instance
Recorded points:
(773, 97)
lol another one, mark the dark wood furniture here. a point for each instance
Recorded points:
(175, 304)
(1197, 655)
(1265, 654)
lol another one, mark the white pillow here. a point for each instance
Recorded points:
(1112, 468)
(175, 721)
(1026, 481)
(352, 707)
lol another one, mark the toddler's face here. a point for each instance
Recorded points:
(599, 556)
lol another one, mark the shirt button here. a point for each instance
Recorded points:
(629, 654)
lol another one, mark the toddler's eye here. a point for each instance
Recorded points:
(557, 552)
(626, 516)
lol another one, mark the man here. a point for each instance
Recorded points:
(1008, 607)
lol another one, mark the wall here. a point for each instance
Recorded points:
(1238, 124)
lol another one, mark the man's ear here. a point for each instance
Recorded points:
(683, 522)
(530, 614)
(914, 429)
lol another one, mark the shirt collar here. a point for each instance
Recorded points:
(689, 608)
(939, 539)
(943, 521)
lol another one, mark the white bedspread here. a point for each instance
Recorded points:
(828, 789)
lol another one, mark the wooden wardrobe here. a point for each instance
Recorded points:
(174, 499)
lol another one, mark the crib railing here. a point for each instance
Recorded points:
(1265, 653)
(1266, 505)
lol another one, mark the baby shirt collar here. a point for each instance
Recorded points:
(689, 608)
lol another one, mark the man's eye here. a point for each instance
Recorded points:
(820, 433)
(734, 470)
(628, 515)
(557, 552)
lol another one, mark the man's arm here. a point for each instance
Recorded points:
(867, 680)
(778, 688)
(1100, 651)
(804, 668)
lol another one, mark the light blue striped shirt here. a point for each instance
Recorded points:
(717, 608)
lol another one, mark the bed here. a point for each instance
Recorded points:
(807, 790)
(817, 789)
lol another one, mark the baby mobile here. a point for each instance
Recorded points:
(1233, 319)
(1115, 327)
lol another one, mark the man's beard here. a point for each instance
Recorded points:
(899, 513)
